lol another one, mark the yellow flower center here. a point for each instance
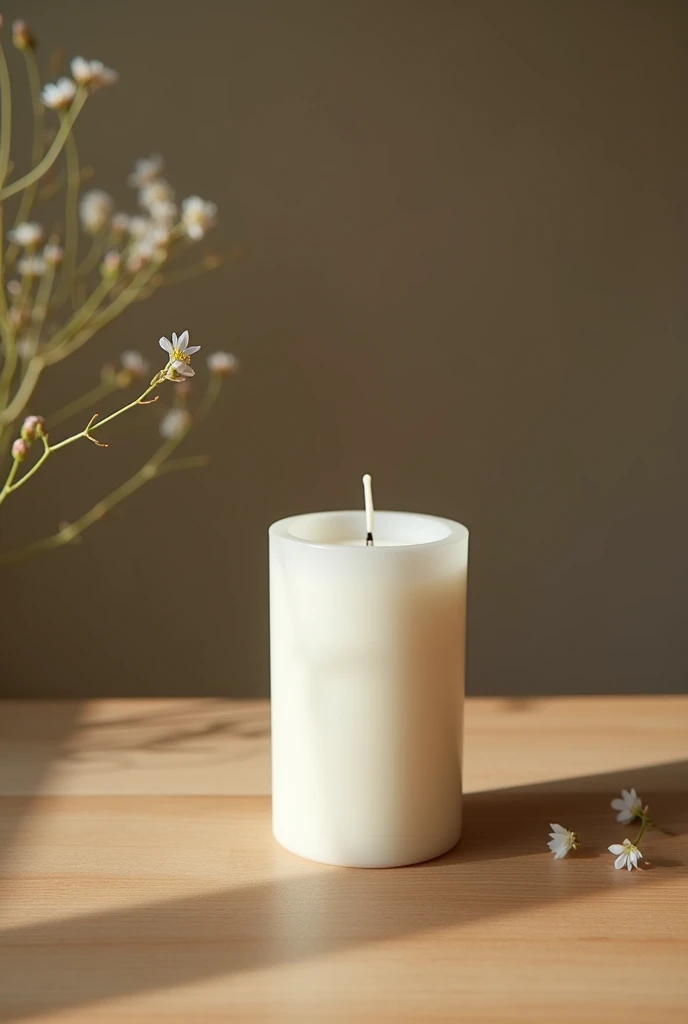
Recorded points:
(181, 356)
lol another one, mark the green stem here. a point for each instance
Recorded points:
(30, 472)
(24, 391)
(27, 200)
(51, 156)
(79, 319)
(151, 469)
(40, 306)
(156, 465)
(9, 482)
(5, 117)
(646, 822)
(48, 449)
(92, 426)
(117, 306)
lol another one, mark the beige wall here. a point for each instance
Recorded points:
(464, 228)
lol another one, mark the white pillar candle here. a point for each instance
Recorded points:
(367, 679)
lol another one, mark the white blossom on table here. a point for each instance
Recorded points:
(626, 853)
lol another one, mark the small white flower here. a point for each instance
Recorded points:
(120, 223)
(562, 841)
(174, 423)
(157, 191)
(139, 256)
(134, 363)
(629, 805)
(223, 363)
(92, 73)
(146, 170)
(138, 226)
(626, 855)
(59, 95)
(180, 353)
(152, 245)
(158, 237)
(31, 266)
(164, 213)
(112, 261)
(95, 210)
(53, 254)
(27, 235)
(198, 216)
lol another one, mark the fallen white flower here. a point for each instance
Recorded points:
(562, 841)
(626, 855)
(27, 235)
(629, 805)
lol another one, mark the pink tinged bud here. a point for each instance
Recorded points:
(21, 36)
(20, 450)
(111, 264)
(32, 427)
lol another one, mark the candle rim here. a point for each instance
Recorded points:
(456, 532)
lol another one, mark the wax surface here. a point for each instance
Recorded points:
(367, 674)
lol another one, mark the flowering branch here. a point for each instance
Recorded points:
(157, 465)
(129, 251)
(27, 199)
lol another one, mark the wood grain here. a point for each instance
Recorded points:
(140, 881)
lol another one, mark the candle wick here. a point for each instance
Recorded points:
(369, 509)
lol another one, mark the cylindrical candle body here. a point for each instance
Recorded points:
(367, 680)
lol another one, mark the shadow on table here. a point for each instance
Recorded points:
(198, 728)
(501, 868)
(28, 748)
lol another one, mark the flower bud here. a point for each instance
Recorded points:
(111, 264)
(32, 427)
(21, 36)
(20, 450)
(53, 254)
(223, 363)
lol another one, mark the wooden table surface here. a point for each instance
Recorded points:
(140, 881)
